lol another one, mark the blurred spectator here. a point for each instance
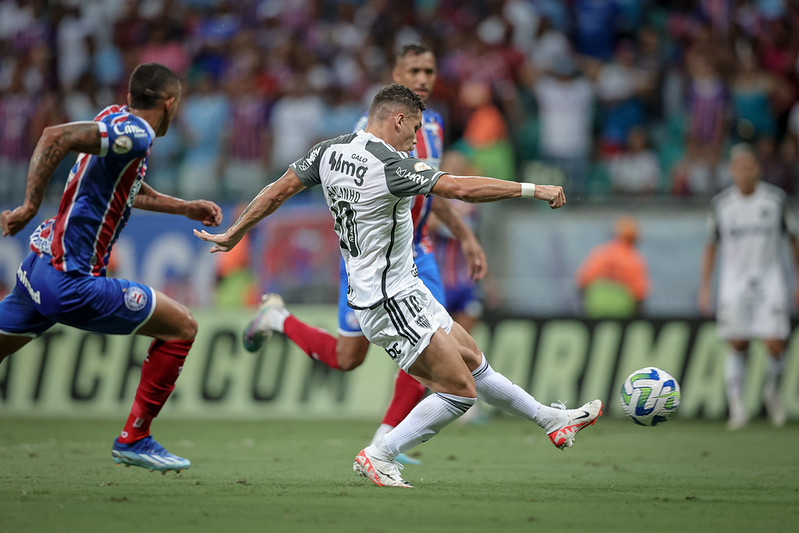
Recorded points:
(203, 120)
(618, 85)
(247, 139)
(757, 98)
(295, 122)
(613, 279)
(707, 105)
(698, 173)
(17, 108)
(565, 101)
(594, 27)
(636, 170)
(549, 45)
(485, 140)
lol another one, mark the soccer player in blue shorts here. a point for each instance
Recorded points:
(415, 68)
(63, 279)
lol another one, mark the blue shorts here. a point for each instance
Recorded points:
(44, 296)
(462, 298)
(428, 272)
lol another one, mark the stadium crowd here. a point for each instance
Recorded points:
(637, 97)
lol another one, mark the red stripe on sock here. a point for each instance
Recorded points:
(159, 372)
(407, 393)
(317, 343)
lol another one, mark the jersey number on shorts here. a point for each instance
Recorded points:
(345, 227)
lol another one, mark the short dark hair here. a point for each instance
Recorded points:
(151, 82)
(412, 49)
(393, 96)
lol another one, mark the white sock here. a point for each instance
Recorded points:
(422, 424)
(774, 371)
(381, 432)
(734, 368)
(497, 390)
(276, 317)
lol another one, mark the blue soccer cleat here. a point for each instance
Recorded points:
(407, 460)
(147, 453)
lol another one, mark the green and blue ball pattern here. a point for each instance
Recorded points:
(650, 396)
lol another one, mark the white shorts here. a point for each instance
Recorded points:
(404, 324)
(746, 316)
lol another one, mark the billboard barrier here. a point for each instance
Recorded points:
(67, 372)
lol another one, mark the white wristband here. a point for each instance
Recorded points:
(528, 190)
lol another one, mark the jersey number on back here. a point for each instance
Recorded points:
(345, 227)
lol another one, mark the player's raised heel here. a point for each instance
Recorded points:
(382, 473)
(147, 453)
(258, 329)
(562, 433)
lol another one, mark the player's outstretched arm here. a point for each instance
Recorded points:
(472, 251)
(264, 204)
(203, 211)
(53, 145)
(475, 189)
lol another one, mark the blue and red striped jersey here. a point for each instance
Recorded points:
(98, 196)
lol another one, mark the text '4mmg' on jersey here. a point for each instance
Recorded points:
(368, 187)
(98, 196)
(429, 148)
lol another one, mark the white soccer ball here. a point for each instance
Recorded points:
(650, 396)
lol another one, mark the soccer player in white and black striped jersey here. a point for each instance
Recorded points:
(748, 226)
(368, 180)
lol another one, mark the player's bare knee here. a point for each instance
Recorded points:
(349, 359)
(188, 329)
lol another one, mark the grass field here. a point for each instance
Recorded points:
(277, 476)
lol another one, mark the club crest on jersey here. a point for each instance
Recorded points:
(420, 166)
(122, 145)
(135, 299)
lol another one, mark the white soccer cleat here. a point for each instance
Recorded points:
(562, 429)
(382, 473)
(259, 327)
(774, 407)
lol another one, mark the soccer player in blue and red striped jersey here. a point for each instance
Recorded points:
(63, 279)
(415, 67)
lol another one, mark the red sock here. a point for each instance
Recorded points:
(407, 393)
(317, 343)
(159, 372)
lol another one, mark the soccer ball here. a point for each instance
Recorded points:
(650, 396)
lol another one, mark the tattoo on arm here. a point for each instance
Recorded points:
(51, 149)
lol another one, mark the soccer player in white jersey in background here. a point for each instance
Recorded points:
(368, 180)
(748, 224)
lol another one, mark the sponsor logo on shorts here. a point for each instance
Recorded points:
(23, 278)
(135, 299)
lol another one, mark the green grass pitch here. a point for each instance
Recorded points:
(296, 476)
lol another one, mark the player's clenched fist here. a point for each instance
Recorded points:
(552, 194)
